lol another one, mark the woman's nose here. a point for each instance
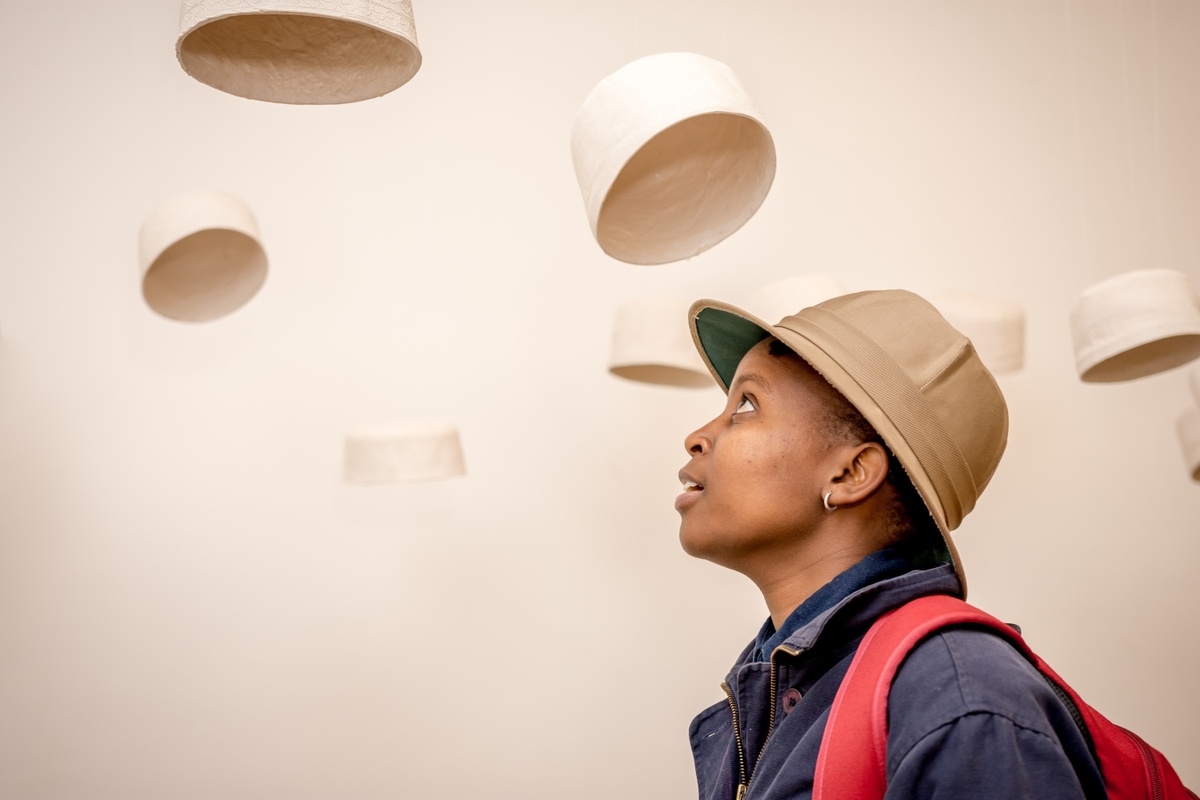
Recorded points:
(698, 442)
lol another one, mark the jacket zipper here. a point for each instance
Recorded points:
(737, 740)
(743, 778)
(1156, 787)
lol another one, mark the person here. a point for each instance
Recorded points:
(856, 435)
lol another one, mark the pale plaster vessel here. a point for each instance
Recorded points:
(996, 327)
(1135, 324)
(299, 51)
(651, 343)
(200, 256)
(785, 297)
(672, 157)
(402, 454)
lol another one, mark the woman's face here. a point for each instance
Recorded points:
(757, 473)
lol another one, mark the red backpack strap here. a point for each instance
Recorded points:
(852, 762)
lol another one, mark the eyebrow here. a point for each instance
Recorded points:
(748, 377)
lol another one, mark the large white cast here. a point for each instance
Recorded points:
(651, 343)
(783, 298)
(299, 51)
(200, 256)
(672, 157)
(403, 454)
(1135, 324)
(995, 327)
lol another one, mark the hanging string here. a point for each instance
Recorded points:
(1079, 171)
(726, 9)
(1133, 182)
(637, 29)
(1161, 257)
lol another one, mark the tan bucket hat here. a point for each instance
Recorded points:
(915, 378)
(299, 51)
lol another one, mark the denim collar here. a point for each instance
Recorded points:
(889, 562)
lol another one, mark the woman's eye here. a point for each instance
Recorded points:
(745, 404)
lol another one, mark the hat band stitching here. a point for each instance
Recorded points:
(945, 366)
(910, 412)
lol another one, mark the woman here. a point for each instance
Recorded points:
(856, 435)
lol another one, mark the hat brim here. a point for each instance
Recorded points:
(724, 334)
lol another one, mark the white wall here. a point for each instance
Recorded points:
(192, 605)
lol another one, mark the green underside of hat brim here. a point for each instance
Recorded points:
(725, 339)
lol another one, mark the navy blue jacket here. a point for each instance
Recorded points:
(968, 716)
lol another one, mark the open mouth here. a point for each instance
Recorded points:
(692, 486)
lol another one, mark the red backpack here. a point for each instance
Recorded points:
(852, 760)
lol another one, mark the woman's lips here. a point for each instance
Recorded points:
(691, 493)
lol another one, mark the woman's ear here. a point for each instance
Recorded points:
(865, 469)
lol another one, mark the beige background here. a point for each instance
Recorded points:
(192, 605)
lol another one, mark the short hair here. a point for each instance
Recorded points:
(908, 516)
